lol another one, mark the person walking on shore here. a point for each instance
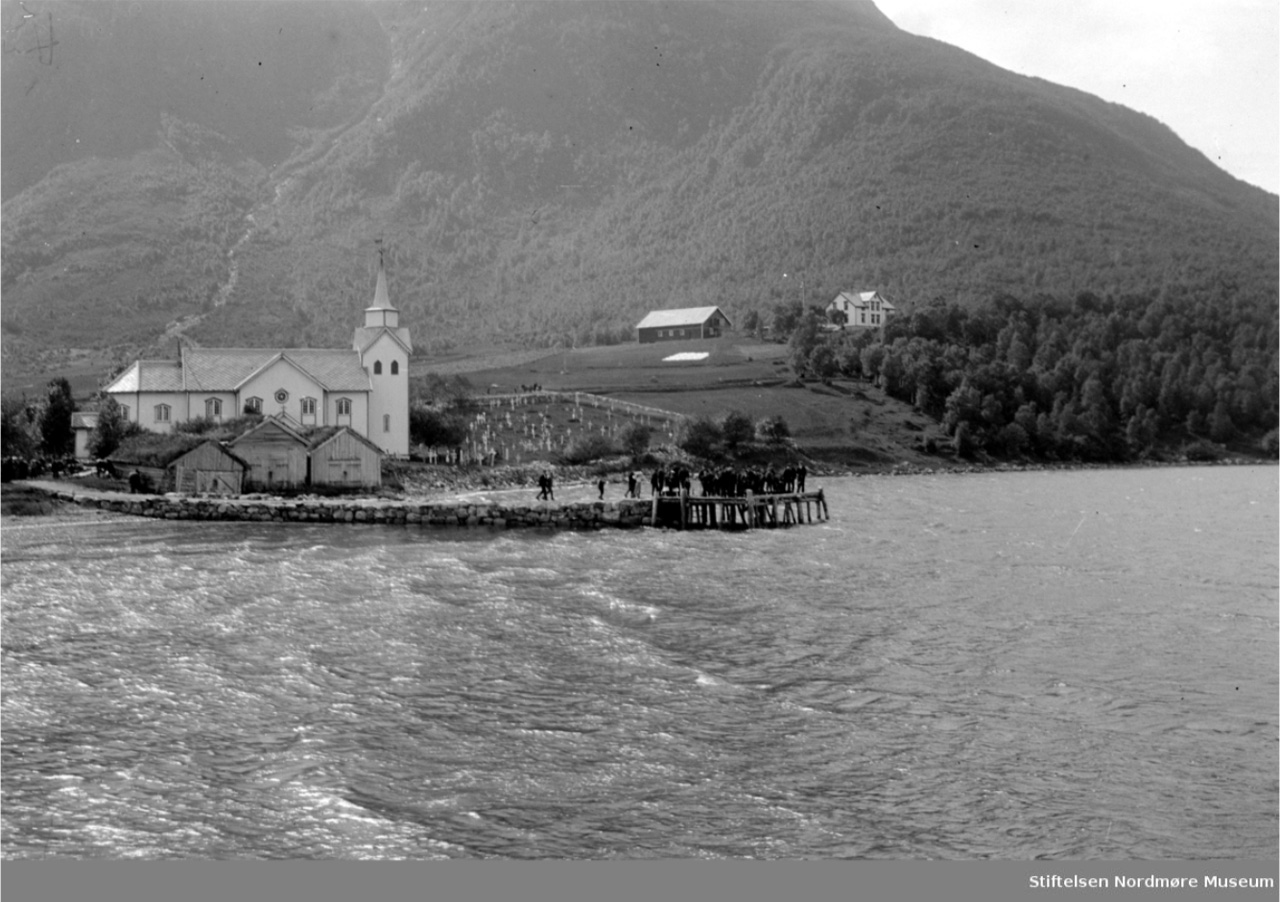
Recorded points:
(600, 486)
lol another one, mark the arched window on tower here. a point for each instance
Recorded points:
(386, 422)
(377, 367)
(395, 367)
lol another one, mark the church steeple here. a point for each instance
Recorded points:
(384, 349)
(381, 313)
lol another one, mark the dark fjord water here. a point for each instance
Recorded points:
(1059, 665)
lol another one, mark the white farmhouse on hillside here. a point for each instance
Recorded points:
(863, 309)
(365, 388)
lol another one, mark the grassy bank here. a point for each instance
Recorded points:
(844, 424)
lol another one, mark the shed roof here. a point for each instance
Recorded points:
(162, 449)
(322, 435)
(273, 424)
(685, 316)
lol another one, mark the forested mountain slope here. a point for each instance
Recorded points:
(547, 172)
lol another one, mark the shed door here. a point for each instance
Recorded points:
(344, 471)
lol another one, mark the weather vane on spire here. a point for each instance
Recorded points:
(378, 242)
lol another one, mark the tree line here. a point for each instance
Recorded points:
(1093, 378)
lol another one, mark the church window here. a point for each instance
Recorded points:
(124, 412)
(377, 367)
(162, 413)
(395, 367)
(344, 407)
(308, 407)
(386, 422)
(253, 405)
(213, 408)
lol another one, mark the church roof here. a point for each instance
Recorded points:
(366, 335)
(149, 375)
(224, 369)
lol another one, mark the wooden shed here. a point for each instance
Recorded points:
(342, 457)
(83, 424)
(177, 463)
(277, 455)
(208, 467)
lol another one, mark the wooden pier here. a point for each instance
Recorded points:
(741, 512)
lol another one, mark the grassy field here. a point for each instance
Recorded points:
(843, 421)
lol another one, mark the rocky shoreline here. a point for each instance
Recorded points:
(452, 513)
(469, 496)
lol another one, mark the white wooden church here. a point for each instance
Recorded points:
(366, 387)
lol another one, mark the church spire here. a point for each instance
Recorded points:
(381, 298)
(381, 312)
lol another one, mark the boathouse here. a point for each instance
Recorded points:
(342, 457)
(277, 454)
(182, 464)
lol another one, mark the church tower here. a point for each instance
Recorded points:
(384, 348)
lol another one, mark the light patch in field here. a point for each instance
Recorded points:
(687, 355)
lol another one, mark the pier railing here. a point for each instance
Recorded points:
(749, 511)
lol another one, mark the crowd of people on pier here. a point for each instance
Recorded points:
(721, 482)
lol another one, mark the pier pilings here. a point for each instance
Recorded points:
(678, 511)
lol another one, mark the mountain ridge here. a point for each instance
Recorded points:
(546, 173)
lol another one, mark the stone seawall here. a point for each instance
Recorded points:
(624, 514)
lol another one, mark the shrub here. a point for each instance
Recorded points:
(699, 437)
(736, 429)
(1270, 444)
(15, 437)
(587, 449)
(634, 439)
(226, 429)
(56, 437)
(1013, 439)
(774, 429)
(1204, 450)
(823, 362)
(435, 429)
(112, 429)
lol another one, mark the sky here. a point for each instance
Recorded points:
(1208, 69)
